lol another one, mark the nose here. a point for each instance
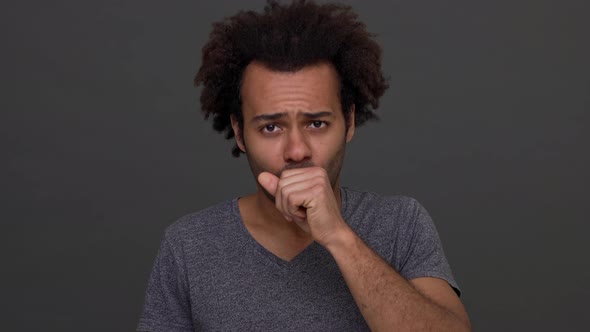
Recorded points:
(297, 148)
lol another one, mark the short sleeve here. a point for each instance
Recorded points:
(425, 256)
(167, 299)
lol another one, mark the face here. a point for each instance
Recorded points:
(293, 120)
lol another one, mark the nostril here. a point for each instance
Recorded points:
(297, 149)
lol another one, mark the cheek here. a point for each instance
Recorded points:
(264, 148)
(264, 153)
(328, 146)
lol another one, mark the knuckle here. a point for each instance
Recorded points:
(291, 200)
(317, 171)
(318, 179)
(284, 191)
(317, 189)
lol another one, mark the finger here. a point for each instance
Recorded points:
(284, 186)
(303, 224)
(272, 184)
(269, 182)
(301, 176)
(294, 196)
(285, 198)
(296, 171)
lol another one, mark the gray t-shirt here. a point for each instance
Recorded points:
(210, 274)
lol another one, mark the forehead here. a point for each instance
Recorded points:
(312, 88)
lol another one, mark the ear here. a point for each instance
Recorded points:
(237, 133)
(350, 132)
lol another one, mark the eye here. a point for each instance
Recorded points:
(269, 128)
(318, 124)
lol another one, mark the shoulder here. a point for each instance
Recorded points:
(401, 231)
(201, 223)
(388, 224)
(397, 207)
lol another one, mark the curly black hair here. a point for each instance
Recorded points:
(288, 38)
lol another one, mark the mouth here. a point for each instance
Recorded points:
(304, 164)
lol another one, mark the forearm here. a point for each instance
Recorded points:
(385, 298)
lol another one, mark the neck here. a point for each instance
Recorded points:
(269, 228)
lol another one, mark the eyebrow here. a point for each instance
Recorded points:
(276, 116)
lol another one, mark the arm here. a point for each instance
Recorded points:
(167, 303)
(385, 298)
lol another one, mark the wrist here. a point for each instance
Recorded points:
(341, 240)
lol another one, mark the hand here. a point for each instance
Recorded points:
(305, 196)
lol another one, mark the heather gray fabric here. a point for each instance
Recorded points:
(210, 274)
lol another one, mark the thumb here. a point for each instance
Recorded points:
(269, 182)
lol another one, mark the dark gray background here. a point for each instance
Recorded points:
(103, 145)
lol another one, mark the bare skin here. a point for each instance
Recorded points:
(294, 135)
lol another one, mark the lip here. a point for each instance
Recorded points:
(305, 164)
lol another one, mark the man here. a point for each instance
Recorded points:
(302, 252)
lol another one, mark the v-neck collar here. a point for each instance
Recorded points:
(306, 256)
